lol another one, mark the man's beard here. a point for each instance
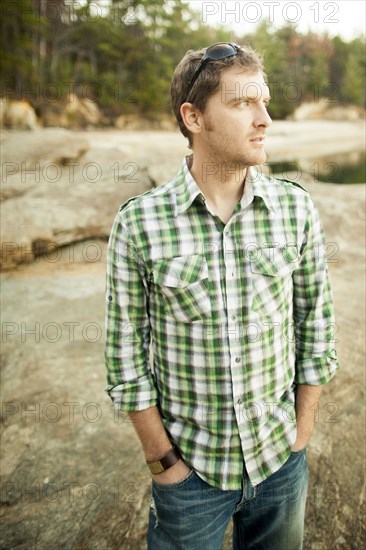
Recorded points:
(220, 153)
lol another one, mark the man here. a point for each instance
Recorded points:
(224, 269)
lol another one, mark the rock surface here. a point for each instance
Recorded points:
(18, 115)
(71, 112)
(63, 193)
(324, 109)
(133, 122)
(81, 112)
(73, 474)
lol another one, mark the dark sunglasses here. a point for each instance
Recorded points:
(217, 51)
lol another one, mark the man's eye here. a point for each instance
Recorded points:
(245, 102)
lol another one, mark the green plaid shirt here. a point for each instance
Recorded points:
(236, 314)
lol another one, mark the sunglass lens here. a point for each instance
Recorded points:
(219, 51)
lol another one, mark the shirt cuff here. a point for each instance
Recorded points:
(135, 395)
(314, 371)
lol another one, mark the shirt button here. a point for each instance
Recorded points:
(110, 298)
(233, 317)
(239, 401)
(237, 359)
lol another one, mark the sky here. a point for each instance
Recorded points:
(343, 17)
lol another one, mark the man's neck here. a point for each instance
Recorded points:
(220, 183)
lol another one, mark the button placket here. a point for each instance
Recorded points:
(233, 330)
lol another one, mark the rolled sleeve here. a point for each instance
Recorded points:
(131, 384)
(315, 326)
(314, 371)
(135, 395)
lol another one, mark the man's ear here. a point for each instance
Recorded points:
(191, 117)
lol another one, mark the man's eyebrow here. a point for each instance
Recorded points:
(249, 98)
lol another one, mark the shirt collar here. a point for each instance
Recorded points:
(186, 188)
(258, 184)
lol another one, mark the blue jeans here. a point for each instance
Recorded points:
(193, 515)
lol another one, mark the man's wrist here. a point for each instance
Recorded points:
(158, 453)
(165, 462)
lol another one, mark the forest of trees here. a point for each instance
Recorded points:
(122, 55)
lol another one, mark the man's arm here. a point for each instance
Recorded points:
(313, 311)
(156, 443)
(316, 358)
(307, 401)
(131, 384)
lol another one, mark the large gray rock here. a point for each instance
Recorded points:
(44, 145)
(68, 199)
(72, 474)
(29, 158)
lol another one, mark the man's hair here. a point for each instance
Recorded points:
(208, 82)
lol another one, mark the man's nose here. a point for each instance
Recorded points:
(262, 118)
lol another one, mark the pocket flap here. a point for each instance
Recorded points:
(275, 262)
(180, 271)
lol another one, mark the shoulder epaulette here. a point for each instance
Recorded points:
(123, 206)
(298, 185)
(294, 183)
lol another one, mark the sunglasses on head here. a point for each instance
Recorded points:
(217, 51)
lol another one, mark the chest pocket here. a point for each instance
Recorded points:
(272, 270)
(184, 287)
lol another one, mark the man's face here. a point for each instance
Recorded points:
(235, 119)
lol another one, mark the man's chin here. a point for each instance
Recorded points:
(261, 158)
(254, 160)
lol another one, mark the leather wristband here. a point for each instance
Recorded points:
(167, 461)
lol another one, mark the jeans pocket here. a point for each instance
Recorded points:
(299, 452)
(171, 486)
